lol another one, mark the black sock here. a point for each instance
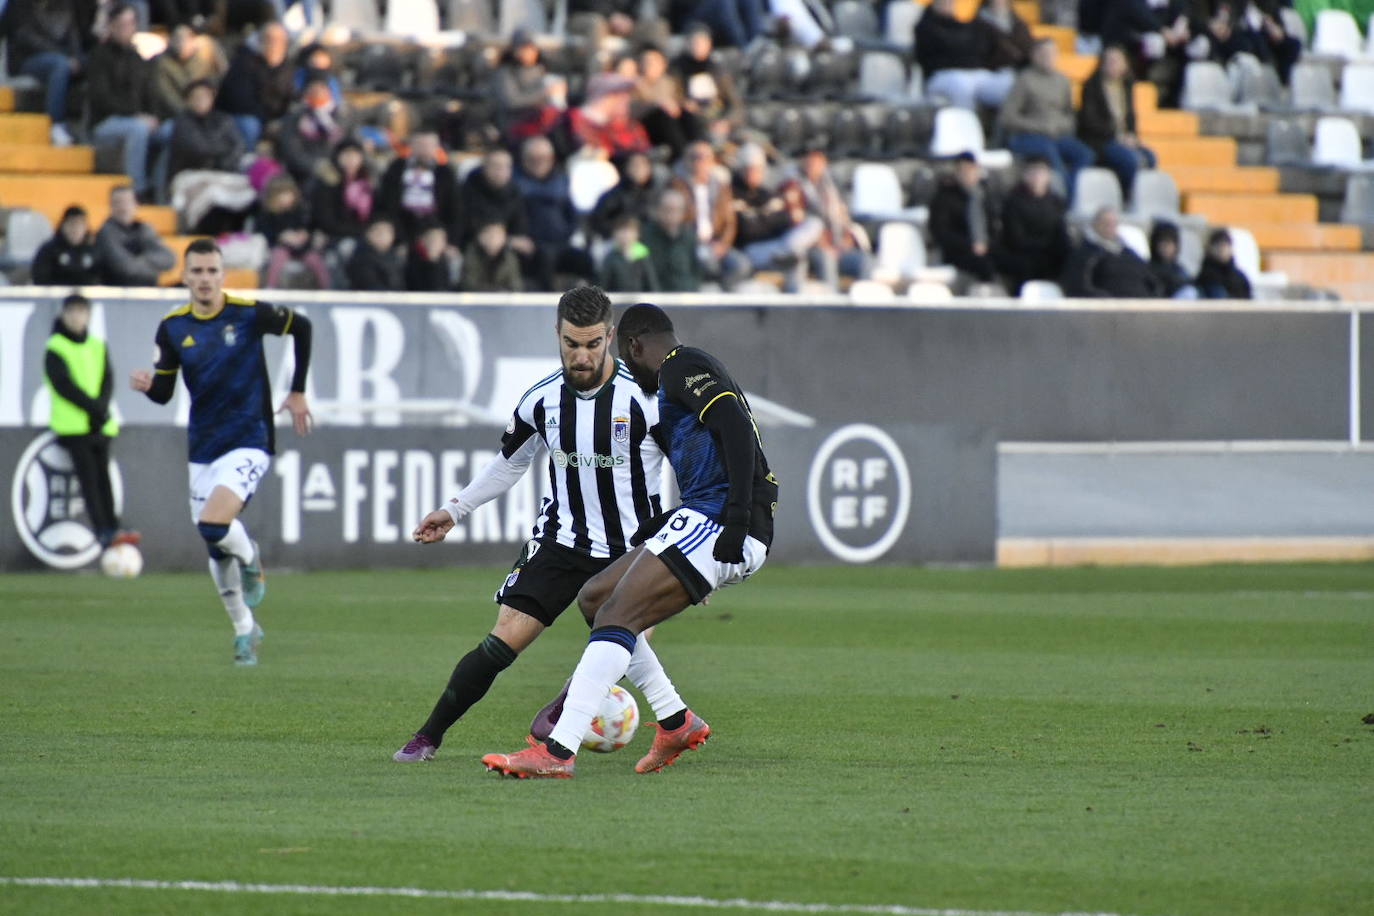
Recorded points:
(558, 750)
(676, 720)
(470, 681)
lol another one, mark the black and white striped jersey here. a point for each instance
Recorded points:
(605, 465)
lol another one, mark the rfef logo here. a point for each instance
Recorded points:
(858, 493)
(48, 508)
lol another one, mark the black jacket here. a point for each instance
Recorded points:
(395, 202)
(210, 142)
(625, 199)
(1125, 21)
(1035, 226)
(760, 214)
(1096, 127)
(1093, 272)
(59, 263)
(119, 82)
(946, 43)
(949, 223)
(483, 204)
(1222, 280)
(370, 270)
(39, 26)
(253, 88)
(425, 276)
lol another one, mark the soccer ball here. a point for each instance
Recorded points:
(122, 561)
(614, 724)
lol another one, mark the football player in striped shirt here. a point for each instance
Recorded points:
(594, 426)
(717, 536)
(215, 342)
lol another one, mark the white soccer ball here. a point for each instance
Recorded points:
(614, 724)
(122, 561)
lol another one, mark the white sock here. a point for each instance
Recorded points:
(647, 674)
(236, 543)
(225, 572)
(603, 663)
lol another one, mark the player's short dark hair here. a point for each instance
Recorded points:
(584, 306)
(203, 246)
(644, 319)
(75, 301)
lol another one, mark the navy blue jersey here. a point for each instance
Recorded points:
(691, 382)
(222, 362)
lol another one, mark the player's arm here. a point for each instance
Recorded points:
(60, 377)
(718, 408)
(278, 319)
(161, 383)
(519, 446)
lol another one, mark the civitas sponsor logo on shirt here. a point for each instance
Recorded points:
(586, 459)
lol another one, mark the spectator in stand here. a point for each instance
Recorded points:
(129, 250)
(69, 257)
(284, 220)
(197, 13)
(311, 129)
(45, 43)
(844, 248)
(121, 96)
(672, 245)
(709, 89)
(1037, 118)
(419, 187)
(737, 22)
(315, 62)
(1106, 120)
(429, 261)
(491, 196)
(519, 84)
(633, 196)
(374, 265)
(1035, 236)
(711, 213)
(1009, 38)
(344, 197)
(203, 138)
(955, 57)
(189, 58)
(602, 126)
(602, 19)
(963, 220)
(1104, 267)
(550, 216)
(489, 263)
(773, 230)
(257, 89)
(660, 105)
(1219, 277)
(1159, 32)
(627, 267)
(264, 165)
(1173, 280)
(1245, 28)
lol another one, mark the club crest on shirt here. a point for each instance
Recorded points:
(230, 335)
(620, 429)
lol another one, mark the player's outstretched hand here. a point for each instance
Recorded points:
(301, 418)
(140, 380)
(432, 527)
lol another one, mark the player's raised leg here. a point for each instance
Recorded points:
(647, 594)
(219, 492)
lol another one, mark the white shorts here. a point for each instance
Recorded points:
(686, 544)
(240, 471)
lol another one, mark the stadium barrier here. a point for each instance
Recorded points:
(405, 384)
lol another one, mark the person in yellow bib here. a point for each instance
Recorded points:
(77, 367)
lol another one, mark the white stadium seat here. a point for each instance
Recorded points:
(1337, 143)
(1155, 195)
(901, 17)
(1206, 87)
(882, 76)
(871, 292)
(1041, 291)
(1357, 88)
(1312, 87)
(958, 130)
(412, 17)
(1094, 189)
(1337, 34)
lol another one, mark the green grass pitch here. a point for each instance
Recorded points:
(1128, 741)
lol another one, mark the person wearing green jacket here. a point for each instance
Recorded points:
(77, 367)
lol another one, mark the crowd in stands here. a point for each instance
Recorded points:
(244, 133)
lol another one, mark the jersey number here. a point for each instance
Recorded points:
(249, 471)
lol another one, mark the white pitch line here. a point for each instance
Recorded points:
(767, 906)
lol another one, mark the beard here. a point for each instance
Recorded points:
(585, 381)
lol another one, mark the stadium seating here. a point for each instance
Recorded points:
(1357, 88)
(1312, 87)
(1094, 189)
(1337, 34)
(411, 18)
(25, 232)
(1358, 206)
(882, 76)
(958, 130)
(1337, 143)
(1040, 291)
(900, 18)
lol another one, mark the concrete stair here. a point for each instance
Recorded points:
(1228, 179)
(1349, 274)
(43, 159)
(1242, 209)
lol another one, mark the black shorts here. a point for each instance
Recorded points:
(546, 579)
